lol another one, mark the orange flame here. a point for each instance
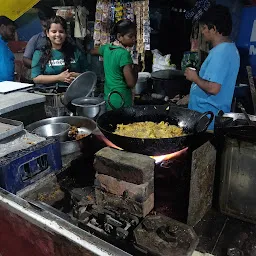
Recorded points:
(158, 159)
(109, 143)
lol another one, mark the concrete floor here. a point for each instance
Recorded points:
(221, 235)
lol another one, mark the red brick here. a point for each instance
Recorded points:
(126, 166)
(139, 193)
(105, 199)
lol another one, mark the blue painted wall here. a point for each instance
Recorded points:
(28, 25)
(246, 41)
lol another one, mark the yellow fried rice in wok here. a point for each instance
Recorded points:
(149, 130)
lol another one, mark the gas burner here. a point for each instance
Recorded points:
(167, 163)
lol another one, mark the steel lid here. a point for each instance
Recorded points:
(167, 74)
(82, 86)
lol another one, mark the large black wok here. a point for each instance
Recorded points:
(192, 122)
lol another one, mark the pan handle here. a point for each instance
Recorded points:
(206, 125)
(96, 117)
(113, 92)
(220, 113)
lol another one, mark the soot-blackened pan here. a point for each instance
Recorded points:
(192, 122)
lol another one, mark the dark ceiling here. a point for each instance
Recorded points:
(70, 2)
(178, 3)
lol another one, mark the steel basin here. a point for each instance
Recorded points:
(89, 107)
(68, 147)
(56, 130)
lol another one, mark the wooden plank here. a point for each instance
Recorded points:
(252, 87)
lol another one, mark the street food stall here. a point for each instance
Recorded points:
(76, 179)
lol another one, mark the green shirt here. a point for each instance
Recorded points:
(115, 58)
(57, 65)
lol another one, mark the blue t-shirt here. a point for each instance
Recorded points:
(221, 66)
(6, 62)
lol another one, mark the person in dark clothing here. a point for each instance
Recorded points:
(38, 41)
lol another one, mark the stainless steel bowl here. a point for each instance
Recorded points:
(89, 107)
(69, 147)
(57, 130)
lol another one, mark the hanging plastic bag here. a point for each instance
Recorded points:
(80, 30)
(161, 62)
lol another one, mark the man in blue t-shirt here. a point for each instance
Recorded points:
(7, 33)
(213, 89)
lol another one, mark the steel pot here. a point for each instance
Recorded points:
(142, 83)
(89, 107)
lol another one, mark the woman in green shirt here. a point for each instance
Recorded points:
(120, 73)
(59, 62)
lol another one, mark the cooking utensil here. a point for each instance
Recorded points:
(246, 115)
(192, 122)
(82, 86)
(57, 130)
(170, 83)
(72, 146)
(142, 83)
(234, 125)
(89, 107)
(237, 116)
(121, 96)
(167, 74)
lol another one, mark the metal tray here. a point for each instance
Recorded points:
(9, 127)
(72, 146)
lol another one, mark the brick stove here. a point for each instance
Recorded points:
(134, 201)
(180, 188)
(124, 181)
(154, 195)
